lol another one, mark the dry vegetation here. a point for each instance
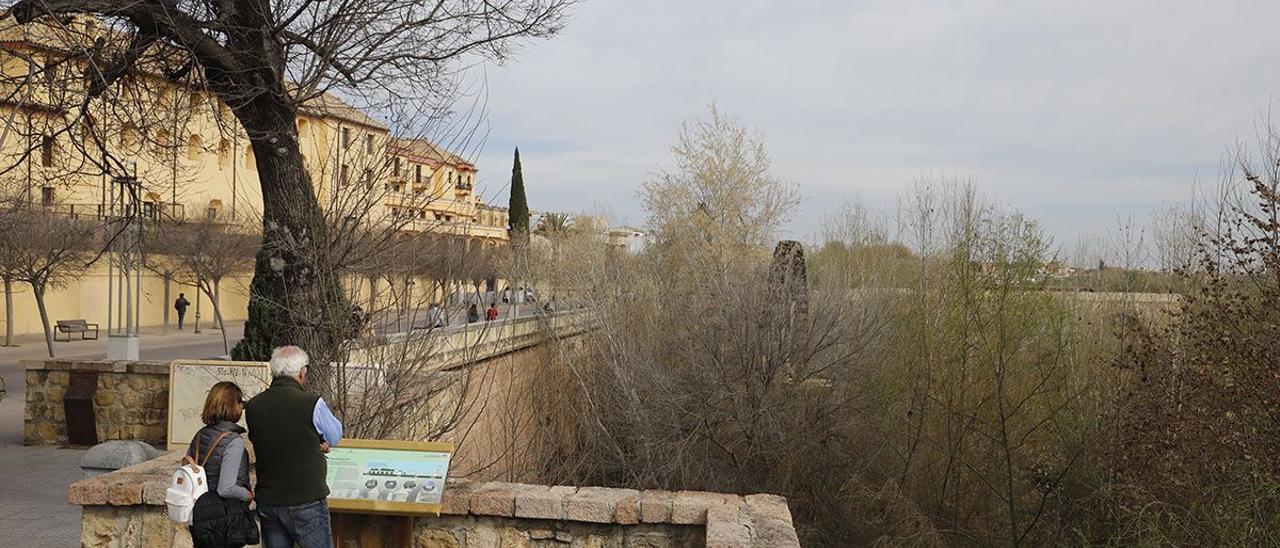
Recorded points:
(922, 387)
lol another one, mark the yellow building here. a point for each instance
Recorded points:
(193, 161)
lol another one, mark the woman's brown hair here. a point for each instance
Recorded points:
(222, 403)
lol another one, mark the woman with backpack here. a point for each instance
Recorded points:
(221, 517)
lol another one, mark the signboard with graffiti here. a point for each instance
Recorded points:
(189, 383)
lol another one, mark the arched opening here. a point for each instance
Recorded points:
(211, 213)
(194, 145)
(224, 152)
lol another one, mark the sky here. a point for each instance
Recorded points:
(1076, 113)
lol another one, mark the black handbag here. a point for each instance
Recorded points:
(219, 522)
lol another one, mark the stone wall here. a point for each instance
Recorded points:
(125, 509)
(131, 403)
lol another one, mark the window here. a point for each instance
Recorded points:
(46, 196)
(149, 210)
(344, 176)
(128, 136)
(194, 144)
(46, 150)
(417, 175)
(368, 178)
(368, 143)
(346, 137)
(395, 166)
(211, 213)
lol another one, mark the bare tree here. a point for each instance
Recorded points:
(46, 252)
(264, 59)
(203, 253)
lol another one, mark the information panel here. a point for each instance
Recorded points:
(388, 477)
(189, 384)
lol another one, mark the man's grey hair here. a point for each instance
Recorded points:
(288, 361)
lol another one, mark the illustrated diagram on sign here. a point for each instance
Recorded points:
(371, 475)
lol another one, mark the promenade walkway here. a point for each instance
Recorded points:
(33, 480)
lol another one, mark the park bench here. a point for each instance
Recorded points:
(67, 327)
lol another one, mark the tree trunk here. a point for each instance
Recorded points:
(217, 315)
(38, 291)
(8, 311)
(298, 287)
(167, 277)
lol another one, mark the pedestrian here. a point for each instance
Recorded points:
(435, 317)
(221, 516)
(473, 313)
(181, 306)
(291, 430)
(492, 313)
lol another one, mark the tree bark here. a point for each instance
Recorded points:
(300, 287)
(38, 290)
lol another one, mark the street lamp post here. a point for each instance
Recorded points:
(125, 266)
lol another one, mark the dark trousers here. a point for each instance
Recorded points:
(307, 525)
(181, 314)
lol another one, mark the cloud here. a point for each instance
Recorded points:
(1074, 112)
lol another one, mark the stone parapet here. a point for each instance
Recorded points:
(131, 402)
(125, 508)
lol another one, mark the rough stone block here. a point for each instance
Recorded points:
(494, 499)
(157, 530)
(655, 506)
(125, 491)
(690, 507)
(435, 538)
(89, 492)
(456, 499)
(541, 534)
(100, 527)
(765, 506)
(542, 502)
(729, 535)
(772, 532)
(594, 504)
(627, 511)
(514, 538)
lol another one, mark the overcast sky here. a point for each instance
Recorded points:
(1074, 112)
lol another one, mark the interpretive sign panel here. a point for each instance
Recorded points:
(189, 383)
(388, 477)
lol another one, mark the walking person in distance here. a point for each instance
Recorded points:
(181, 306)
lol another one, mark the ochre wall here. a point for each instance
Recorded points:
(86, 298)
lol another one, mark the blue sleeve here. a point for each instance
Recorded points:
(229, 472)
(326, 424)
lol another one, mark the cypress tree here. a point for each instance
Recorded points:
(262, 329)
(518, 208)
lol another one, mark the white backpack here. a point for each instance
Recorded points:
(188, 483)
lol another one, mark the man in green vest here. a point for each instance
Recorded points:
(291, 430)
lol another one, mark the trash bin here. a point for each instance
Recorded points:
(78, 405)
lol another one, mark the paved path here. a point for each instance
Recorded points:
(33, 480)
